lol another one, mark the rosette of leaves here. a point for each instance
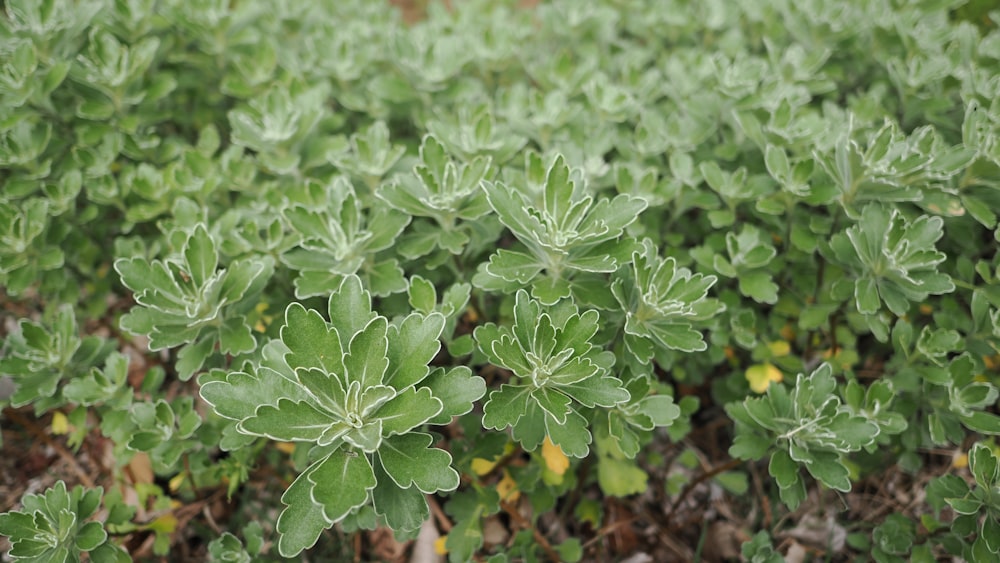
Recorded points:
(358, 388)
(340, 236)
(976, 507)
(444, 191)
(371, 154)
(187, 300)
(806, 427)
(662, 301)
(894, 261)
(557, 373)
(621, 432)
(277, 124)
(53, 527)
(41, 355)
(564, 231)
(28, 243)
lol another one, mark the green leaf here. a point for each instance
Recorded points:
(411, 347)
(410, 461)
(235, 336)
(572, 436)
(620, 477)
(513, 266)
(829, 470)
(350, 308)
(603, 391)
(312, 343)
(505, 406)
(341, 482)
(288, 421)
(302, 520)
(403, 509)
(200, 256)
(457, 389)
(366, 361)
(407, 410)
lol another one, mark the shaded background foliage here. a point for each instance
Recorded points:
(783, 215)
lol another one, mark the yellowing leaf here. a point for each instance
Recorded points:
(439, 547)
(760, 376)
(165, 524)
(60, 424)
(482, 466)
(961, 461)
(555, 459)
(788, 332)
(779, 348)
(176, 481)
(285, 447)
(507, 488)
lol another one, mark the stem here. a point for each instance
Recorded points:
(731, 464)
(523, 523)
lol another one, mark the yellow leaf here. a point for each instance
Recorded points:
(439, 547)
(760, 376)
(165, 524)
(285, 447)
(555, 459)
(507, 488)
(961, 461)
(779, 348)
(176, 481)
(482, 466)
(60, 424)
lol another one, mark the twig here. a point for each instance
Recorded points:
(524, 524)
(439, 515)
(37, 432)
(701, 479)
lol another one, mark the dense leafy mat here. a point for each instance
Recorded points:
(591, 280)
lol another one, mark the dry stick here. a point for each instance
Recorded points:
(608, 530)
(524, 524)
(701, 479)
(33, 428)
(439, 515)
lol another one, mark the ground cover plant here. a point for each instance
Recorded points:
(572, 281)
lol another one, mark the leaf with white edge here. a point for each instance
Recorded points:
(366, 360)
(302, 520)
(457, 389)
(239, 395)
(350, 307)
(411, 461)
(572, 436)
(422, 295)
(604, 391)
(829, 470)
(403, 509)
(200, 255)
(288, 421)
(341, 482)
(192, 357)
(326, 388)
(235, 337)
(412, 345)
(513, 266)
(554, 403)
(505, 406)
(407, 410)
(312, 343)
